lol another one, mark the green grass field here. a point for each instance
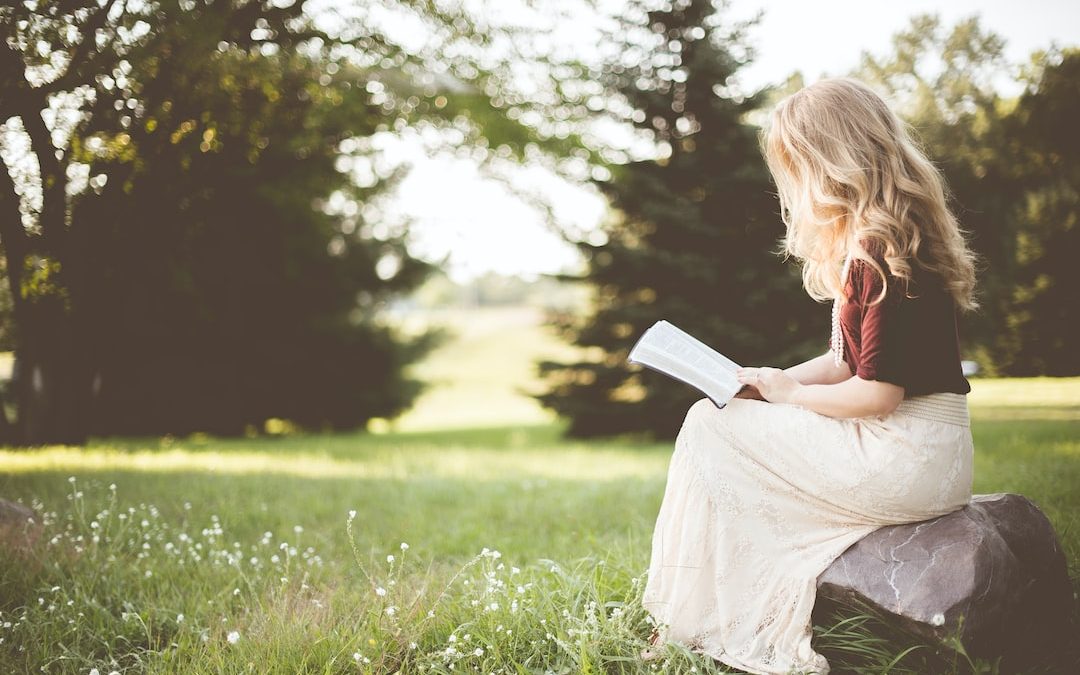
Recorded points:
(501, 548)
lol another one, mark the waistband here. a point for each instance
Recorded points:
(947, 407)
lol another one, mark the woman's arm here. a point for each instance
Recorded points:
(819, 370)
(854, 397)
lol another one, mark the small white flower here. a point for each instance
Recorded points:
(938, 619)
(380, 591)
(452, 638)
(298, 529)
(94, 671)
(236, 591)
(404, 546)
(479, 651)
(357, 656)
(412, 645)
(352, 514)
(390, 558)
(179, 618)
(390, 610)
(233, 637)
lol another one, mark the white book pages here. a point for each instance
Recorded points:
(677, 354)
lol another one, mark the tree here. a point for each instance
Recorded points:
(694, 234)
(1043, 313)
(148, 104)
(208, 293)
(1008, 163)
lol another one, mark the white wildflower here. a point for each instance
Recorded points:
(380, 591)
(390, 558)
(938, 619)
(404, 546)
(233, 637)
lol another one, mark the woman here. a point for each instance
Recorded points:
(765, 493)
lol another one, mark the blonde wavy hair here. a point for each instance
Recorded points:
(850, 177)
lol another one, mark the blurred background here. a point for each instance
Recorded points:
(262, 218)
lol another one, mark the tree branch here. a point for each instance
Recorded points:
(13, 238)
(82, 53)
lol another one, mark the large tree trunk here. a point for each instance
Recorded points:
(50, 388)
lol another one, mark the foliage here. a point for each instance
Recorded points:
(693, 235)
(200, 213)
(209, 263)
(1010, 165)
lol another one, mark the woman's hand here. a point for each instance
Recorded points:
(775, 385)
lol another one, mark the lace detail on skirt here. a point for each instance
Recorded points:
(761, 498)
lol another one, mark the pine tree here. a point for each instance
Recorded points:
(694, 239)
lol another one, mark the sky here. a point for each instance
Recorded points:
(482, 228)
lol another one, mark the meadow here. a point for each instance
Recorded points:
(423, 546)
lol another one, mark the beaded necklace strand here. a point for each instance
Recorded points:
(835, 340)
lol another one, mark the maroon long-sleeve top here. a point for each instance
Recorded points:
(910, 341)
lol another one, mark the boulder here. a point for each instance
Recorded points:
(992, 573)
(19, 525)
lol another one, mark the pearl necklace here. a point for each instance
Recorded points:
(835, 340)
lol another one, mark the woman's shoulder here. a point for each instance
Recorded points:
(871, 277)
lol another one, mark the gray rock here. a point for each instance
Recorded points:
(19, 525)
(997, 563)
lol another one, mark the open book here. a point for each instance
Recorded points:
(675, 353)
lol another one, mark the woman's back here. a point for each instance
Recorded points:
(910, 340)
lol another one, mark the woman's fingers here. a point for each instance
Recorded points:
(751, 375)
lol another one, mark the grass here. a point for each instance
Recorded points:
(524, 552)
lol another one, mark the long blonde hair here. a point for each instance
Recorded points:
(851, 176)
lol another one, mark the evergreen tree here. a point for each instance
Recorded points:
(1010, 164)
(1044, 313)
(695, 235)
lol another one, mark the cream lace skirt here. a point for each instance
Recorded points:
(762, 497)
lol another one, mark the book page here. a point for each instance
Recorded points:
(669, 350)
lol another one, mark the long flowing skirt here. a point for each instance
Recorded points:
(762, 497)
